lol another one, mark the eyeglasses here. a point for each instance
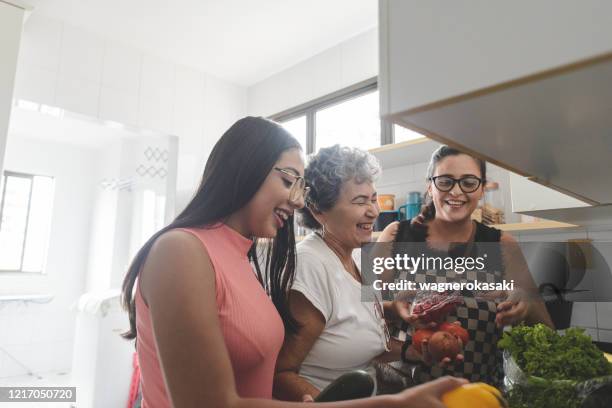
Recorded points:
(380, 315)
(298, 190)
(467, 184)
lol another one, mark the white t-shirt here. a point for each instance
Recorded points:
(353, 335)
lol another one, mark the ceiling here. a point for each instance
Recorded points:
(241, 41)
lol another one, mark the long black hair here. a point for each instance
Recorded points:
(428, 209)
(237, 167)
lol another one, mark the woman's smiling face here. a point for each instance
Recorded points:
(351, 219)
(271, 208)
(456, 205)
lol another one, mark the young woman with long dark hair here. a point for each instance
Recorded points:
(206, 326)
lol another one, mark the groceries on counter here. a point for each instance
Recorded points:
(434, 306)
(544, 368)
(492, 215)
(477, 214)
(492, 210)
(386, 202)
(412, 208)
(442, 341)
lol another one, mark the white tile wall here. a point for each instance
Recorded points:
(78, 95)
(157, 89)
(73, 69)
(81, 55)
(189, 103)
(605, 336)
(592, 332)
(35, 84)
(420, 170)
(584, 314)
(359, 58)
(299, 83)
(41, 43)
(119, 106)
(13, 355)
(348, 63)
(326, 77)
(121, 68)
(604, 315)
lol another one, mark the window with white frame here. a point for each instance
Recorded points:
(348, 117)
(25, 221)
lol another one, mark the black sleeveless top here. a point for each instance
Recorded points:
(482, 359)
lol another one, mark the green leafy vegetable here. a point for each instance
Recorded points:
(556, 365)
(542, 352)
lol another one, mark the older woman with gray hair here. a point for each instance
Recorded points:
(338, 333)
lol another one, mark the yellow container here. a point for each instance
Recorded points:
(386, 202)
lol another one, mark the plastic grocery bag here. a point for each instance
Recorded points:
(525, 391)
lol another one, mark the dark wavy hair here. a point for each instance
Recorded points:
(237, 167)
(428, 209)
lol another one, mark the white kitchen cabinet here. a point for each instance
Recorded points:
(11, 22)
(528, 195)
(437, 49)
(524, 85)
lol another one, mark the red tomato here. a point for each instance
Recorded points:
(455, 330)
(419, 336)
(443, 344)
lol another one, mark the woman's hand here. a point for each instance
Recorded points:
(428, 395)
(511, 311)
(397, 311)
(307, 398)
(389, 233)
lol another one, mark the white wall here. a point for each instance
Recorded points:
(340, 66)
(595, 317)
(71, 68)
(41, 335)
(10, 34)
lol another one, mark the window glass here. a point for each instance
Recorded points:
(354, 122)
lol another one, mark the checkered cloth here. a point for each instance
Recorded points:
(482, 359)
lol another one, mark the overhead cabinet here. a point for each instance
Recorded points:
(525, 85)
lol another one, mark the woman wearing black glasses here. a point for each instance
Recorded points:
(455, 184)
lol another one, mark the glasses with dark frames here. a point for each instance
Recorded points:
(467, 184)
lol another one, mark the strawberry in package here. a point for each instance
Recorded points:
(435, 306)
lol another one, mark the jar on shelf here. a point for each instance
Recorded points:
(492, 209)
(412, 208)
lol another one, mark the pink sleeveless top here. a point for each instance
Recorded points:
(251, 326)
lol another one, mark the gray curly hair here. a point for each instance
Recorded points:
(327, 171)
